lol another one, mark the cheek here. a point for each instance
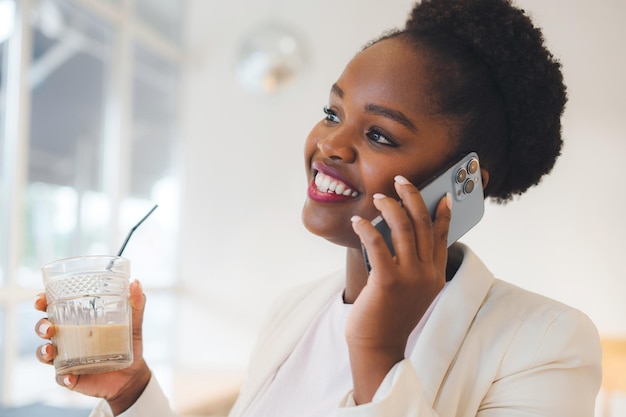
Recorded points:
(379, 179)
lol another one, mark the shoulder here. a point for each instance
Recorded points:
(520, 304)
(516, 304)
(521, 327)
(540, 329)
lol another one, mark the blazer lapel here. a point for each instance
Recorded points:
(449, 322)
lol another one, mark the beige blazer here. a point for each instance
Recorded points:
(489, 349)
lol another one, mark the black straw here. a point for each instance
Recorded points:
(135, 228)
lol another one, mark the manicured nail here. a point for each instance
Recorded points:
(37, 298)
(449, 201)
(355, 218)
(379, 196)
(43, 328)
(401, 180)
(67, 381)
(138, 284)
(44, 350)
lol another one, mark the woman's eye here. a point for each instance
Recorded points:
(378, 137)
(331, 116)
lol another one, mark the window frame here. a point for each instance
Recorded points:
(128, 30)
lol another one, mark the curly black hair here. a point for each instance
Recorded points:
(492, 73)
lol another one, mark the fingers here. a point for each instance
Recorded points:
(137, 297)
(45, 353)
(443, 216)
(403, 232)
(67, 381)
(431, 236)
(44, 328)
(40, 302)
(421, 221)
(377, 250)
(402, 235)
(413, 230)
(138, 304)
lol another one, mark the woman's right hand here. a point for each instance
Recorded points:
(119, 388)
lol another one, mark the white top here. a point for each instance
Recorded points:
(316, 376)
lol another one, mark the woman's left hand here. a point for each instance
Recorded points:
(399, 289)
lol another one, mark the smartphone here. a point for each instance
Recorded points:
(462, 180)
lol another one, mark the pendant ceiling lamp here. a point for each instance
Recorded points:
(269, 58)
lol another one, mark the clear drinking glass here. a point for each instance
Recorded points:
(88, 306)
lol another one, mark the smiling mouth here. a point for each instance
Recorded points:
(327, 184)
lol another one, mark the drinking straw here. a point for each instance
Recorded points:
(135, 228)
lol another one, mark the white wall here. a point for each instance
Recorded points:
(242, 240)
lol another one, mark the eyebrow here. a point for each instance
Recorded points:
(379, 110)
(335, 89)
(394, 115)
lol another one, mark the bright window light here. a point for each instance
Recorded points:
(7, 19)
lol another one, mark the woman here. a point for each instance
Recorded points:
(429, 331)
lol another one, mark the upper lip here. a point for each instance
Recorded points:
(332, 172)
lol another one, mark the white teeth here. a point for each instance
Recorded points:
(327, 184)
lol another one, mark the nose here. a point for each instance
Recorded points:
(337, 146)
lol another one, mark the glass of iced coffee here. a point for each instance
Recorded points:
(88, 306)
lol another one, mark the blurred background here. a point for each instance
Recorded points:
(108, 107)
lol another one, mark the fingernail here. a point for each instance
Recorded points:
(138, 284)
(379, 196)
(355, 218)
(44, 350)
(37, 298)
(67, 381)
(43, 328)
(449, 201)
(401, 180)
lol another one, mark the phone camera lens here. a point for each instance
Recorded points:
(472, 166)
(461, 175)
(468, 187)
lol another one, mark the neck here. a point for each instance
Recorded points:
(356, 273)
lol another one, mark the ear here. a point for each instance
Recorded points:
(485, 177)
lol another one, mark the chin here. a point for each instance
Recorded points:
(347, 239)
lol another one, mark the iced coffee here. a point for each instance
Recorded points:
(88, 306)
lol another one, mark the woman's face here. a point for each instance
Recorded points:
(377, 125)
